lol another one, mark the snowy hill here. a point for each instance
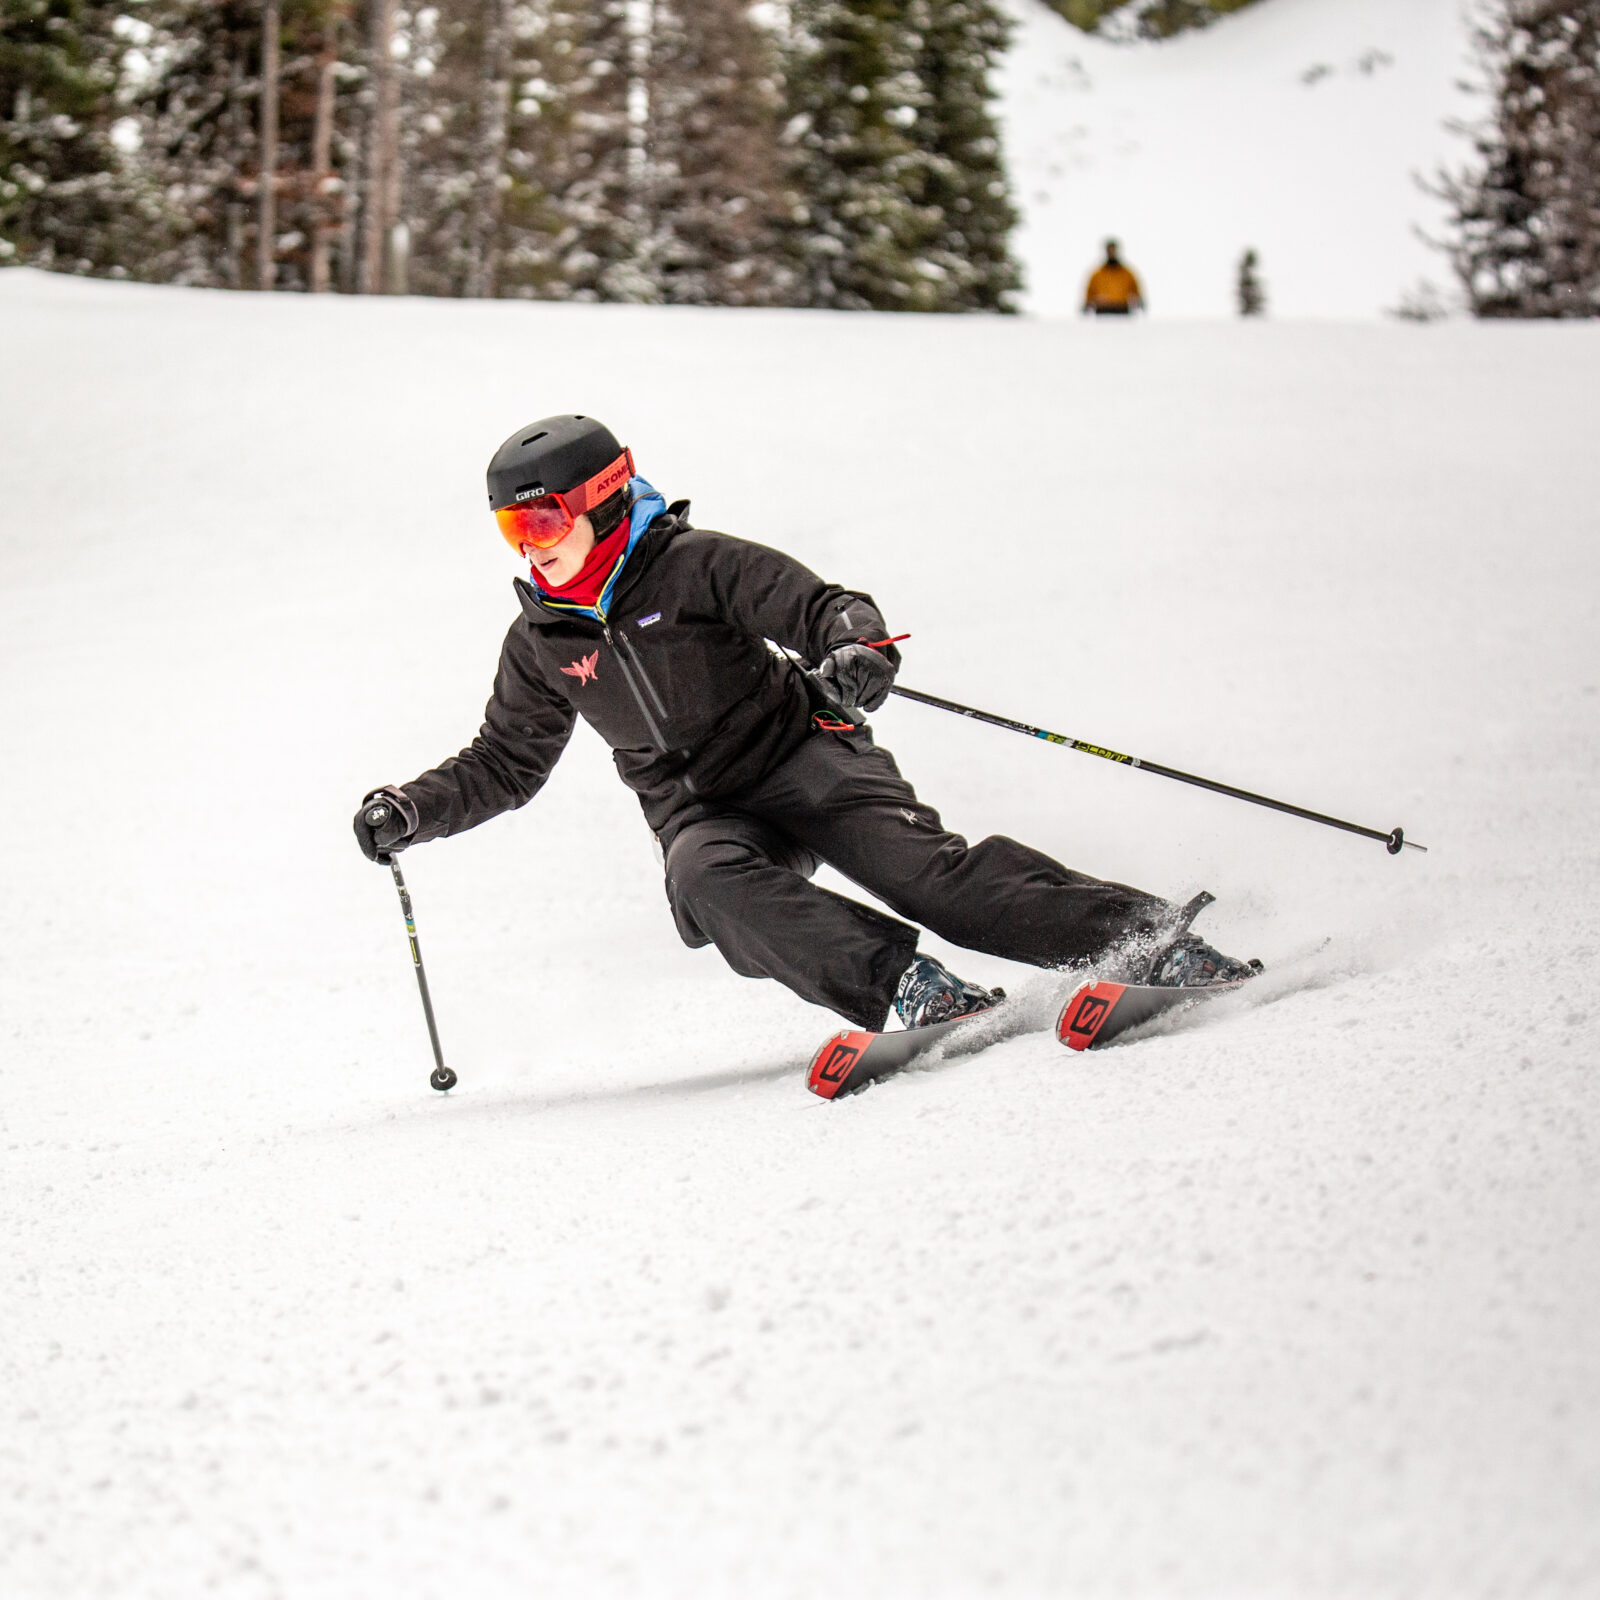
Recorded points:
(1297, 1300)
(1296, 127)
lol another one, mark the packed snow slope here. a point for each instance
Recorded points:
(1298, 128)
(1295, 1297)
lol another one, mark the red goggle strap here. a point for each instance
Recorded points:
(601, 486)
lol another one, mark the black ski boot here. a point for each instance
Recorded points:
(929, 992)
(1190, 963)
(1185, 961)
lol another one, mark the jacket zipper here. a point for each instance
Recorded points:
(621, 650)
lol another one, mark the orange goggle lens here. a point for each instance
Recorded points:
(535, 524)
(538, 524)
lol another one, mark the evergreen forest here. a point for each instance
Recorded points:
(843, 154)
(1525, 240)
(691, 152)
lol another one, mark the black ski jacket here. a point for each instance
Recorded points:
(679, 680)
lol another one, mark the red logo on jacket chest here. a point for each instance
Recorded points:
(585, 667)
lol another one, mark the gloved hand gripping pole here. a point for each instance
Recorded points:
(441, 1077)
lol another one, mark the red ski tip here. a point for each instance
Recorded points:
(833, 1066)
(1085, 1014)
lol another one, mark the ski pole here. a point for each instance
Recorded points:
(1394, 840)
(441, 1077)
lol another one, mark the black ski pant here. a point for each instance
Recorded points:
(739, 878)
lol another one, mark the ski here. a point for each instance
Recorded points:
(850, 1060)
(1097, 1013)
(1094, 1014)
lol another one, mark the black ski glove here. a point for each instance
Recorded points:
(380, 835)
(857, 675)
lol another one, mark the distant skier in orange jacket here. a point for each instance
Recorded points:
(1113, 290)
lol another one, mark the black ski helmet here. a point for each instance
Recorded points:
(550, 456)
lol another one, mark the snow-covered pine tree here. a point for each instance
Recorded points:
(196, 173)
(196, 115)
(531, 233)
(901, 203)
(572, 221)
(599, 152)
(1250, 294)
(523, 147)
(1143, 19)
(59, 196)
(493, 139)
(489, 147)
(964, 177)
(1527, 220)
(713, 163)
(452, 58)
(852, 94)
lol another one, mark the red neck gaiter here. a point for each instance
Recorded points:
(584, 590)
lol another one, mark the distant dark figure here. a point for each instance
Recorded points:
(1251, 293)
(1113, 290)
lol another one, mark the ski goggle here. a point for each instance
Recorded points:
(544, 519)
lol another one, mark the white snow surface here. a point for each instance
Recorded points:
(1298, 1296)
(1299, 128)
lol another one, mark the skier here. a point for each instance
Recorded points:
(751, 771)
(1113, 290)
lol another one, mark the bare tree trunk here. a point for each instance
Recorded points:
(383, 152)
(234, 120)
(267, 198)
(233, 250)
(397, 276)
(641, 26)
(322, 170)
(356, 183)
(495, 92)
(348, 234)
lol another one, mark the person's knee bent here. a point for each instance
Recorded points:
(701, 855)
(706, 867)
(697, 860)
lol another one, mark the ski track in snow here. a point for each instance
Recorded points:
(1297, 1296)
